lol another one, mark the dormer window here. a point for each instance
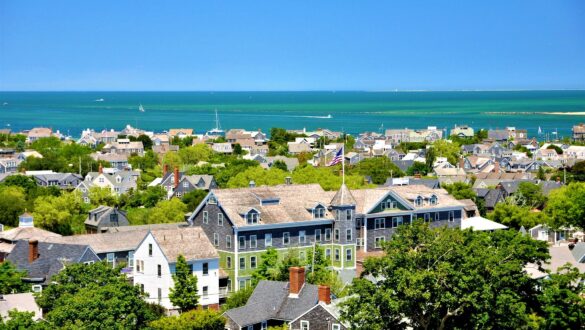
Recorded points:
(433, 200)
(252, 217)
(319, 212)
(418, 201)
(212, 200)
(118, 179)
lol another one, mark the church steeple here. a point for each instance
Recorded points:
(343, 197)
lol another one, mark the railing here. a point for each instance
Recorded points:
(223, 291)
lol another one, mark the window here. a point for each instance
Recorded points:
(328, 234)
(101, 180)
(388, 205)
(141, 288)
(396, 221)
(437, 218)
(215, 239)
(379, 241)
(348, 214)
(242, 263)
(328, 253)
(348, 254)
(159, 294)
(185, 184)
(228, 262)
(252, 217)
(267, 239)
(253, 241)
(319, 212)
(433, 200)
(37, 288)
(418, 201)
(159, 270)
(220, 219)
(302, 236)
(205, 268)
(131, 259)
(336, 326)
(111, 259)
(228, 241)
(149, 249)
(337, 256)
(242, 242)
(205, 291)
(304, 325)
(336, 235)
(205, 217)
(379, 223)
(253, 262)
(317, 235)
(88, 262)
(451, 216)
(242, 284)
(250, 327)
(348, 235)
(286, 238)
(427, 217)
(264, 325)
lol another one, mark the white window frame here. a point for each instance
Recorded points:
(378, 241)
(268, 239)
(242, 242)
(380, 223)
(437, 216)
(228, 241)
(337, 255)
(451, 216)
(399, 222)
(302, 236)
(348, 255)
(427, 217)
(327, 234)
(304, 325)
(348, 234)
(216, 239)
(253, 241)
(253, 262)
(240, 263)
(286, 238)
(205, 217)
(264, 325)
(336, 235)
(220, 219)
(317, 235)
(328, 253)
(336, 326)
(111, 258)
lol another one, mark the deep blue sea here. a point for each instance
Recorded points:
(352, 112)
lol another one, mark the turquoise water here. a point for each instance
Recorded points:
(352, 112)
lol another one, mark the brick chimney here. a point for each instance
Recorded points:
(176, 177)
(325, 294)
(297, 280)
(33, 250)
(461, 162)
(496, 167)
(165, 169)
(100, 169)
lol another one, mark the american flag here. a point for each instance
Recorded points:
(337, 159)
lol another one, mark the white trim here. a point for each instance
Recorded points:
(287, 225)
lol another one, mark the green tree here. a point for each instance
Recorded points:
(195, 154)
(146, 141)
(184, 293)
(102, 196)
(378, 168)
(20, 321)
(444, 148)
(514, 216)
(319, 271)
(238, 298)
(291, 259)
(530, 195)
(446, 278)
(566, 206)
(148, 161)
(418, 168)
(238, 149)
(267, 268)
(260, 176)
(193, 198)
(562, 305)
(192, 320)
(577, 172)
(12, 204)
(280, 165)
(94, 297)
(11, 279)
(168, 211)
(541, 175)
(430, 157)
(460, 190)
(57, 214)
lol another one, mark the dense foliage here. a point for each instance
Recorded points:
(184, 292)
(11, 279)
(447, 278)
(191, 320)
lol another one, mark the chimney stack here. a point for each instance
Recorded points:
(325, 294)
(288, 180)
(165, 169)
(176, 177)
(33, 250)
(462, 162)
(297, 280)
(100, 169)
(252, 184)
(496, 167)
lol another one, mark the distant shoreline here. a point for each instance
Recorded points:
(565, 113)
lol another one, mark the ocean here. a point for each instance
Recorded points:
(352, 112)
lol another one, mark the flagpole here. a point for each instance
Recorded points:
(343, 164)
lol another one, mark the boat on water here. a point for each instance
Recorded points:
(99, 100)
(329, 116)
(141, 108)
(217, 131)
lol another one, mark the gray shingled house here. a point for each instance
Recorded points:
(274, 303)
(103, 217)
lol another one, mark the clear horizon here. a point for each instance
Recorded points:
(231, 46)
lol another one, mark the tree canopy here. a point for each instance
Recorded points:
(11, 279)
(447, 278)
(566, 206)
(184, 292)
(191, 320)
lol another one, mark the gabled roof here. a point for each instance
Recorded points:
(191, 242)
(270, 301)
(52, 258)
(106, 242)
(343, 197)
(26, 233)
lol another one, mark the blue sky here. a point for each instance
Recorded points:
(292, 45)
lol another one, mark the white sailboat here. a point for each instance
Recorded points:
(140, 108)
(217, 131)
